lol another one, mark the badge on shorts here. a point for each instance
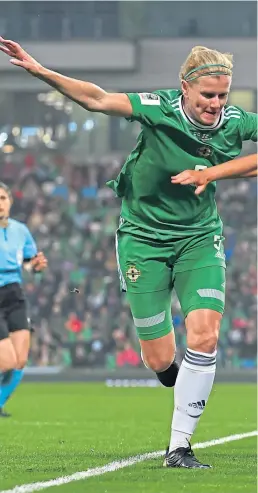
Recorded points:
(132, 273)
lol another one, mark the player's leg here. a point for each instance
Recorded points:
(11, 379)
(146, 278)
(10, 382)
(201, 293)
(19, 326)
(20, 340)
(7, 361)
(152, 318)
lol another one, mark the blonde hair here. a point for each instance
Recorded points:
(200, 55)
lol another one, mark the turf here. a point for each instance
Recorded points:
(59, 429)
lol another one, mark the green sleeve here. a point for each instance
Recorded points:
(249, 125)
(147, 107)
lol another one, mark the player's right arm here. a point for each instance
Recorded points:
(88, 95)
(243, 167)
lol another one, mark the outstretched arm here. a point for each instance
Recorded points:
(238, 168)
(86, 94)
(243, 167)
(250, 174)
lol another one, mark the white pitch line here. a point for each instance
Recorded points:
(43, 423)
(115, 466)
(38, 423)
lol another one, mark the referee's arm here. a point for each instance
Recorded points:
(32, 259)
(36, 264)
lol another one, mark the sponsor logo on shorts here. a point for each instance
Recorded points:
(133, 273)
(218, 245)
(220, 255)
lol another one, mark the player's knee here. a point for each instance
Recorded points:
(8, 363)
(204, 339)
(207, 345)
(7, 366)
(21, 363)
(203, 330)
(8, 359)
(158, 354)
(159, 363)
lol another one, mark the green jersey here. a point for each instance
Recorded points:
(171, 142)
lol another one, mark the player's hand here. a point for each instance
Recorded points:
(190, 177)
(39, 263)
(19, 56)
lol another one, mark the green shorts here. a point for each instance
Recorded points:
(150, 269)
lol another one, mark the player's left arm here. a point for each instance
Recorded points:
(250, 174)
(243, 167)
(32, 259)
(248, 125)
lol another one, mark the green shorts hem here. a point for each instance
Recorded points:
(209, 306)
(155, 334)
(198, 267)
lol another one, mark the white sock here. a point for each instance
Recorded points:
(193, 386)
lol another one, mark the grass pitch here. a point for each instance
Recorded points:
(59, 429)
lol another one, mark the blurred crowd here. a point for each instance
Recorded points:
(73, 217)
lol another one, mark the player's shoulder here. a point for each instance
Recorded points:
(169, 97)
(160, 97)
(163, 100)
(18, 225)
(234, 114)
(236, 120)
(15, 224)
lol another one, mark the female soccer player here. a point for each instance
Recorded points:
(17, 247)
(169, 236)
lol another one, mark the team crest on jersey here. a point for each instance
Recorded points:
(133, 273)
(148, 98)
(204, 151)
(19, 257)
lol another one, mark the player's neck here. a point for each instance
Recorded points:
(4, 222)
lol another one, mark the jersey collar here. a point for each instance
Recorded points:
(198, 125)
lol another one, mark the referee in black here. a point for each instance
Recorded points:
(17, 250)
